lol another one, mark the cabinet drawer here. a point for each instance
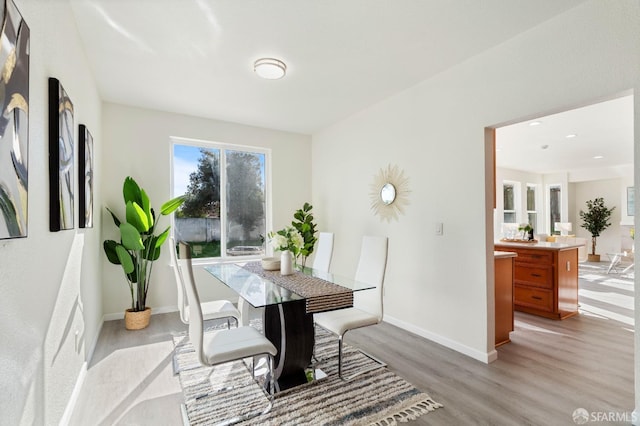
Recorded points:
(538, 276)
(534, 298)
(541, 257)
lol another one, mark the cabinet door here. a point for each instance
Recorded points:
(534, 298)
(534, 275)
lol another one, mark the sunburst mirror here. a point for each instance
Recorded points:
(389, 193)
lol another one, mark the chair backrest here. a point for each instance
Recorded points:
(177, 272)
(371, 269)
(322, 256)
(196, 327)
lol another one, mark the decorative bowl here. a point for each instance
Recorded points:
(271, 264)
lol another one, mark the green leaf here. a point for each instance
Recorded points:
(146, 207)
(137, 217)
(110, 251)
(125, 259)
(115, 218)
(151, 249)
(171, 205)
(131, 191)
(162, 237)
(131, 237)
(133, 276)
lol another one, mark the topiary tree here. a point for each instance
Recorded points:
(596, 219)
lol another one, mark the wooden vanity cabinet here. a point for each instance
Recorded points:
(545, 280)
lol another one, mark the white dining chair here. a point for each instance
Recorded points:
(368, 304)
(226, 345)
(322, 256)
(211, 310)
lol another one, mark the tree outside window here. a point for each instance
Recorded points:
(218, 219)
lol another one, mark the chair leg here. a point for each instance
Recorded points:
(340, 356)
(379, 363)
(271, 390)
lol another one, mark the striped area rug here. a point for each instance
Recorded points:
(378, 397)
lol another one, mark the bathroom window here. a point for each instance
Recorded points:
(532, 213)
(509, 197)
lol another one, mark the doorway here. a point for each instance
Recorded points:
(569, 157)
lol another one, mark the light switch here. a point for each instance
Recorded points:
(439, 228)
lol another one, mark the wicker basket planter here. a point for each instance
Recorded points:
(136, 320)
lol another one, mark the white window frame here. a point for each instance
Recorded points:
(223, 147)
(536, 200)
(516, 199)
(548, 205)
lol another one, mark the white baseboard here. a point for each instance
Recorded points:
(154, 311)
(485, 357)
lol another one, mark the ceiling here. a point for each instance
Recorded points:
(602, 139)
(196, 57)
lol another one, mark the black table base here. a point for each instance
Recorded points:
(290, 329)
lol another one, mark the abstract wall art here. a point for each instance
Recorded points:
(60, 158)
(85, 178)
(14, 122)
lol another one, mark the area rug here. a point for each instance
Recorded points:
(378, 397)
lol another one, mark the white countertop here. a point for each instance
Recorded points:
(538, 245)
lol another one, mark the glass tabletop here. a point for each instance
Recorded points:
(260, 291)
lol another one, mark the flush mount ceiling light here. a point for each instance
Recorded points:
(270, 68)
(571, 136)
(535, 123)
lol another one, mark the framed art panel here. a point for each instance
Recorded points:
(85, 178)
(60, 157)
(631, 207)
(14, 122)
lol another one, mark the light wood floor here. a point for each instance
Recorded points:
(550, 368)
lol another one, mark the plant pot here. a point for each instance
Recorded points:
(136, 320)
(593, 257)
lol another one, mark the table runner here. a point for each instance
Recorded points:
(320, 295)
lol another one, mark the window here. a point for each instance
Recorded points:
(509, 196)
(532, 214)
(554, 207)
(225, 211)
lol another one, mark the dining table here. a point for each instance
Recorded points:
(289, 302)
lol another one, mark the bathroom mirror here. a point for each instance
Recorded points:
(388, 193)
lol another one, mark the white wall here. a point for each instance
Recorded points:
(437, 285)
(137, 143)
(49, 281)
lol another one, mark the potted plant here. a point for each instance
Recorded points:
(595, 220)
(305, 226)
(288, 242)
(527, 231)
(138, 248)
